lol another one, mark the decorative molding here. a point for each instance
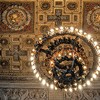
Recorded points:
(24, 94)
(83, 95)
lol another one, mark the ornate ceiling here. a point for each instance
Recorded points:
(22, 22)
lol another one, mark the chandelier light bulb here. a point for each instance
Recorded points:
(76, 29)
(35, 71)
(65, 90)
(70, 89)
(51, 62)
(40, 38)
(84, 85)
(52, 30)
(81, 31)
(59, 55)
(61, 28)
(80, 87)
(32, 54)
(43, 82)
(97, 47)
(50, 72)
(85, 33)
(80, 58)
(32, 63)
(88, 82)
(98, 59)
(33, 50)
(55, 81)
(98, 68)
(85, 67)
(32, 58)
(71, 29)
(33, 67)
(75, 84)
(95, 43)
(37, 75)
(91, 79)
(94, 76)
(99, 51)
(75, 89)
(56, 29)
(47, 84)
(88, 36)
(97, 72)
(40, 78)
(70, 53)
(56, 88)
(51, 86)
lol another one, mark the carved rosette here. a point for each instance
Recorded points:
(93, 18)
(16, 17)
(45, 5)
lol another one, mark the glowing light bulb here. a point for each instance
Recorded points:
(98, 59)
(95, 43)
(75, 84)
(94, 76)
(50, 72)
(91, 79)
(52, 86)
(33, 50)
(34, 71)
(59, 55)
(37, 75)
(40, 78)
(98, 68)
(51, 62)
(80, 58)
(98, 47)
(56, 88)
(55, 81)
(80, 87)
(81, 31)
(88, 36)
(56, 29)
(43, 82)
(75, 89)
(71, 29)
(84, 84)
(47, 84)
(70, 54)
(85, 33)
(32, 58)
(97, 72)
(88, 82)
(85, 67)
(65, 90)
(99, 51)
(76, 29)
(32, 63)
(32, 54)
(70, 89)
(61, 28)
(33, 67)
(52, 30)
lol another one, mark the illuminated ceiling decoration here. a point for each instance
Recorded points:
(60, 59)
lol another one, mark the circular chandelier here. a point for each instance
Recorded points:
(60, 59)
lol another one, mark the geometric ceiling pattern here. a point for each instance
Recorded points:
(23, 22)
